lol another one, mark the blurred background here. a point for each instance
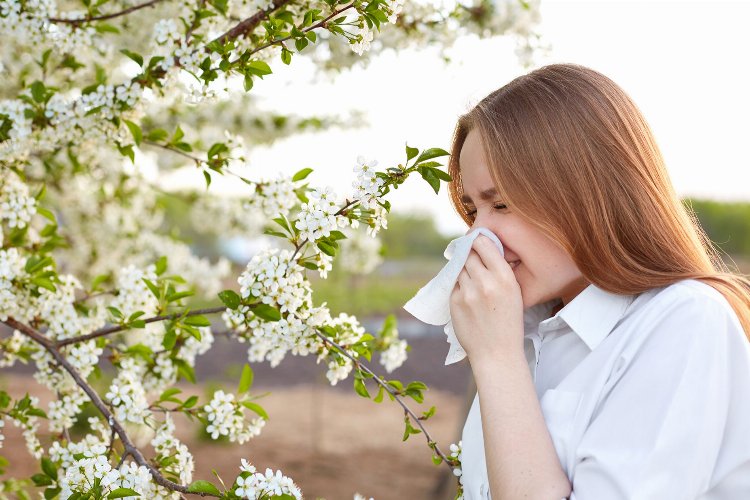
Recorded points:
(684, 65)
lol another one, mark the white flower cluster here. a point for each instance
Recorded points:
(394, 356)
(57, 310)
(367, 185)
(254, 485)
(30, 427)
(377, 220)
(2, 424)
(317, 217)
(29, 22)
(15, 110)
(80, 476)
(16, 206)
(126, 395)
(227, 418)
(348, 332)
(11, 347)
(272, 197)
(455, 454)
(62, 412)
(273, 278)
(358, 496)
(11, 268)
(366, 34)
(167, 445)
(132, 293)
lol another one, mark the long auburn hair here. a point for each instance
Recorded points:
(571, 153)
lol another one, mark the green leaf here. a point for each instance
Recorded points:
(327, 248)
(161, 265)
(44, 283)
(431, 153)
(411, 152)
(41, 480)
(185, 370)
(46, 213)
(300, 43)
(441, 174)
(204, 487)
(157, 135)
(190, 402)
(123, 492)
(49, 468)
(197, 321)
(431, 179)
(360, 388)
(179, 295)
(286, 56)
(259, 68)
(38, 91)
(266, 312)
(136, 57)
(170, 339)
(151, 286)
(256, 408)
(230, 299)
(167, 394)
(379, 397)
(302, 174)
(246, 380)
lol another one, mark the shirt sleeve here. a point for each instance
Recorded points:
(662, 425)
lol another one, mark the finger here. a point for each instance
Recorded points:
(474, 266)
(489, 254)
(463, 278)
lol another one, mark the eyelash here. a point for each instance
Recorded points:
(496, 206)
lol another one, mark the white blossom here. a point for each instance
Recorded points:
(227, 418)
(253, 485)
(394, 356)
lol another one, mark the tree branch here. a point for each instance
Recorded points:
(118, 328)
(104, 17)
(130, 448)
(406, 408)
(248, 25)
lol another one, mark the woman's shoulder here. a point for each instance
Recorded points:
(693, 308)
(690, 293)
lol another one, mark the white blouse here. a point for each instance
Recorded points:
(646, 397)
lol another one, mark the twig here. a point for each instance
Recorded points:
(406, 408)
(249, 24)
(104, 17)
(319, 24)
(118, 328)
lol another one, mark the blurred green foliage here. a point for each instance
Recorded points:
(413, 235)
(727, 224)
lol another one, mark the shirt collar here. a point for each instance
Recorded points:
(592, 314)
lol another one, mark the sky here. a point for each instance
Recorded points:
(685, 64)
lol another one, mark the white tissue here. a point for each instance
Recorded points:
(431, 304)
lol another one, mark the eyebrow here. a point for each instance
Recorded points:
(487, 194)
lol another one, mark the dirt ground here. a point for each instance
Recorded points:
(331, 441)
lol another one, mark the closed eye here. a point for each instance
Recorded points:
(497, 206)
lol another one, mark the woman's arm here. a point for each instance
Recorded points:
(521, 460)
(487, 314)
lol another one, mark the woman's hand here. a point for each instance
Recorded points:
(486, 305)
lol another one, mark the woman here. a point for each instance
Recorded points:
(610, 344)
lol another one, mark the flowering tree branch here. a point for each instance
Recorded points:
(96, 400)
(361, 366)
(104, 17)
(119, 328)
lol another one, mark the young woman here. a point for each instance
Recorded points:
(610, 344)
